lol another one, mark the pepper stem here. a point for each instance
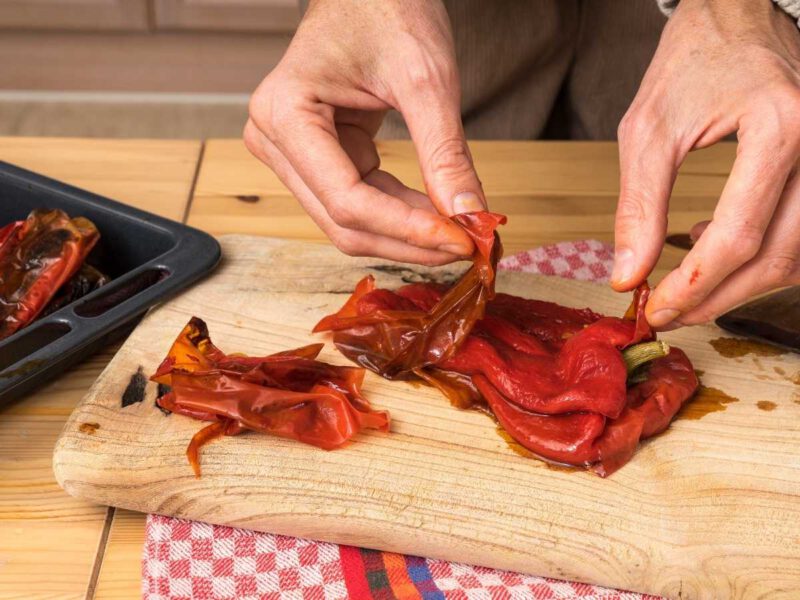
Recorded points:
(636, 356)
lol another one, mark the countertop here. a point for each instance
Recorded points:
(53, 546)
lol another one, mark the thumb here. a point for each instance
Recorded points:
(434, 121)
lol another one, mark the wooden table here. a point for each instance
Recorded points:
(54, 546)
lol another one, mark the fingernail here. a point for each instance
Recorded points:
(663, 317)
(466, 202)
(457, 249)
(623, 265)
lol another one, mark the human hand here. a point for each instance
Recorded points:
(313, 118)
(721, 66)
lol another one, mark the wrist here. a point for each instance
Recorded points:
(781, 10)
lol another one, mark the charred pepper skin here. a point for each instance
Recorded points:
(288, 394)
(554, 377)
(37, 257)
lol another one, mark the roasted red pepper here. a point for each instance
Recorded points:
(289, 394)
(393, 337)
(37, 257)
(85, 281)
(554, 377)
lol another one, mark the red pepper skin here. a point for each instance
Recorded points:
(85, 281)
(36, 259)
(584, 372)
(10, 236)
(288, 394)
(403, 338)
(554, 377)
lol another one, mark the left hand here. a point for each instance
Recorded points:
(721, 66)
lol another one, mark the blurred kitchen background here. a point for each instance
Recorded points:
(136, 68)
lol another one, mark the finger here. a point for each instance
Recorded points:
(649, 160)
(776, 265)
(359, 147)
(394, 187)
(431, 109)
(734, 235)
(697, 230)
(366, 120)
(358, 144)
(306, 137)
(351, 242)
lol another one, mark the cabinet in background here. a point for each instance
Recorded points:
(105, 15)
(227, 15)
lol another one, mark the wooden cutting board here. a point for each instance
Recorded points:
(710, 509)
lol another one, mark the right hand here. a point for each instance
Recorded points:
(313, 119)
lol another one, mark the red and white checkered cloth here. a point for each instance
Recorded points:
(184, 559)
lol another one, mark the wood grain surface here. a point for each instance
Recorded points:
(49, 542)
(120, 569)
(707, 510)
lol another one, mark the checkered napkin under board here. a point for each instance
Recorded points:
(185, 559)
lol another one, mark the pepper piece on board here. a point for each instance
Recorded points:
(288, 394)
(554, 377)
(394, 340)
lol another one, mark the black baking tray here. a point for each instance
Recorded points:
(149, 258)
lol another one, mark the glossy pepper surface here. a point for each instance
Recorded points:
(288, 394)
(37, 257)
(554, 377)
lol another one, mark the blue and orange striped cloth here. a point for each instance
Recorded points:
(386, 576)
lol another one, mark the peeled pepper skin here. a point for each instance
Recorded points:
(37, 257)
(399, 337)
(554, 377)
(288, 394)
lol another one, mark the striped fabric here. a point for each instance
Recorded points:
(387, 576)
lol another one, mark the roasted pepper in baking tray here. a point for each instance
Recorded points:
(37, 257)
(572, 386)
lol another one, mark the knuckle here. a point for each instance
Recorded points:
(635, 125)
(450, 155)
(256, 144)
(260, 103)
(250, 137)
(775, 124)
(429, 71)
(342, 214)
(273, 106)
(740, 243)
(624, 127)
(780, 268)
(631, 210)
(347, 243)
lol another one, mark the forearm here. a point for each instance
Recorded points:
(792, 7)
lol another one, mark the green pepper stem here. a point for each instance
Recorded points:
(636, 356)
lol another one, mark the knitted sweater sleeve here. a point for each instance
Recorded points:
(790, 6)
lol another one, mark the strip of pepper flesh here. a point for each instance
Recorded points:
(554, 377)
(288, 394)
